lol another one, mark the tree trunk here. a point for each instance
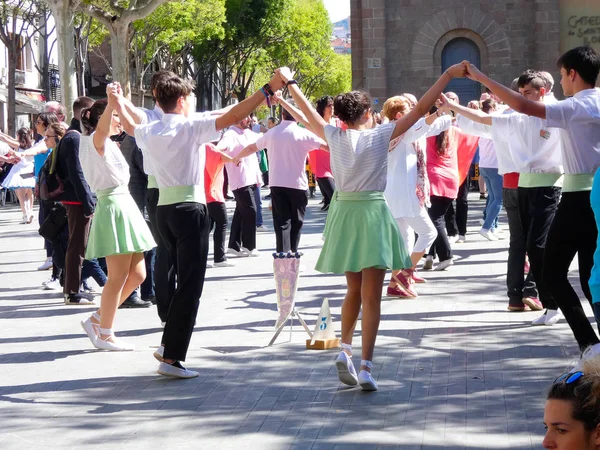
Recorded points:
(12, 91)
(66, 52)
(119, 52)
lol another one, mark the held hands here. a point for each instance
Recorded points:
(445, 104)
(457, 70)
(277, 98)
(472, 72)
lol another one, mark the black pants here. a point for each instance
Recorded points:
(327, 187)
(456, 222)
(437, 212)
(517, 286)
(243, 224)
(218, 219)
(184, 229)
(289, 207)
(164, 268)
(79, 231)
(537, 207)
(573, 231)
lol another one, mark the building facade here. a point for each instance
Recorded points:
(404, 45)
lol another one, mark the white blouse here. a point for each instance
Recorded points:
(103, 172)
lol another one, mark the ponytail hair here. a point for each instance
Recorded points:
(90, 116)
(583, 393)
(25, 138)
(442, 142)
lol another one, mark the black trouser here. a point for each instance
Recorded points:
(44, 208)
(243, 224)
(327, 187)
(184, 230)
(517, 287)
(437, 212)
(218, 219)
(456, 222)
(572, 231)
(537, 207)
(164, 269)
(79, 231)
(289, 207)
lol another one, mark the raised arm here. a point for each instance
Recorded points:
(428, 100)
(102, 132)
(252, 148)
(245, 108)
(474, 115)
(38, 148)
(508, 96)
(295, 112)
(9, 140)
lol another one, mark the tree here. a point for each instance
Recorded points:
(89, 34)
(47, 43)
(19, 24)
(117, 17)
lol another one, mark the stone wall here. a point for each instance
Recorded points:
(408, 36)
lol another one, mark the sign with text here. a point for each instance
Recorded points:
(579, 24)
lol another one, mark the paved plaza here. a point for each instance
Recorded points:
(455, 369)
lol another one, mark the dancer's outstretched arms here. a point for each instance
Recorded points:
(428, 100)
(252, 148)
(295, 112)
(508, 96)
(472, 114)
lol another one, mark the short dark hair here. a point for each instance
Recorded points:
(285, 115)
(25, 138)
(351, 106)
(170, 89)
(273, 119)
(80, 103)
(47, 118)
(322, 103)
(90, 116)
(488, 105)
(532, 77)
(583, 60)
(160, 75)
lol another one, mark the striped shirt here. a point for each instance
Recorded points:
(359, 158)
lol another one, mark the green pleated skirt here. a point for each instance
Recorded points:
(118, 226)
(361, 233)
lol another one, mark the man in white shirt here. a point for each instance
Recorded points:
(536, 150)
(174, 146)
(244, 180)
(287, 146)
(573, 230)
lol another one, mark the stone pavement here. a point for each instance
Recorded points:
(455, 369)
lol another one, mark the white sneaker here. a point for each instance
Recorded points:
(488, 234)
(209, 265)
(428, 263)
(169, 370)
(461, 239)
(366, 381)
(590, 352)
(47, 264)
(116, 346)
(262, 229)
(481, 222)
(552, 316)
(159, 353)
(444, 264)
(452, 239)
(346, 370)
(540, 320)
(240, 254)
(251, 253)
(90, 330)
(53, 285)
(224, 264)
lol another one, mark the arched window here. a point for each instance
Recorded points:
(456, 51)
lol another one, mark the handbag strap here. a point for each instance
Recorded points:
(55, 151)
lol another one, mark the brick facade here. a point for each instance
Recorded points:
(409, 37)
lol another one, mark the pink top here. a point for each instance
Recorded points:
(320, 164)
(287, 145)
(248, 172)
(213, 175)
(446, 170)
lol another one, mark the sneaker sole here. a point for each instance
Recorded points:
(171, 375)
(344, 375)
(534, 306)
(158, 357)
(368, 387)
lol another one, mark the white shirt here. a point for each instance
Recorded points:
(288, 145)
(506, 164)
(359, 158)
(401, 189)
(173, 146)
(102, 172)
(248, 172)
(579, 116)
(534, 147)
(4, 148)
(487, 154)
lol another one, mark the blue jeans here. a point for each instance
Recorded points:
(91, 268)
(493, 181)
(258, 200)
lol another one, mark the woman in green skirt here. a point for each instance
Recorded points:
(362, 239)
(118, 232)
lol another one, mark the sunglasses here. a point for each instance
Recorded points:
(569, 377)
(49, 137)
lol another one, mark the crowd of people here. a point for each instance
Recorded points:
(139, 223)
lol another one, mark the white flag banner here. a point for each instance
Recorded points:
(324, 326)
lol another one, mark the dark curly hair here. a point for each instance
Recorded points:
(90, 116)
(351, 106)
(25, 138)
(322, 103)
